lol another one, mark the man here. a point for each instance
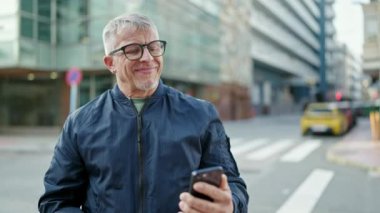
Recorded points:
(133, 148)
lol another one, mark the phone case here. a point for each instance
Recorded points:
(211, 175)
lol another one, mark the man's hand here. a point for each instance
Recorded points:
(222, 199)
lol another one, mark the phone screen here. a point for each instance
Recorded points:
(211, 175)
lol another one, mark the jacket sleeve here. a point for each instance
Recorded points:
(216, 151)
(65, 180)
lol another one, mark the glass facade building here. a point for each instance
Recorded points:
(220, 50)
(41, 39)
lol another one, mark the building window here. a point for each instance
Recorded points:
(44, 31)
(73, 32)
(371, 28)
(72, 21)
(44, 8)
(27, 5)
(27, 27)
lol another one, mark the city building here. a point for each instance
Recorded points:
(40, 40)
(348, 75)
(371, 47)
(286, 52)
(245, 56)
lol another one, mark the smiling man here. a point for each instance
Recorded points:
(133, 148)
(137, 71)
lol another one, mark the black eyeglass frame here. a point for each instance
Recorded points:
(142, 49)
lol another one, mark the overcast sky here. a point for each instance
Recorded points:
(349, 24)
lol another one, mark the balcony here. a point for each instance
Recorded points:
(306, 17)
(278, 12)
(281, 36)
(312, 7)
(268, 53)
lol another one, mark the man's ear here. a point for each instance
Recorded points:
(108, 61)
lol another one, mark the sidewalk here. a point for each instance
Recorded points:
(27, 139)
(357, 149)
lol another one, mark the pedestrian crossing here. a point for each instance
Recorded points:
(286, 150)
(300, 152)
(307, 194)
(249, 145)
(272, 149)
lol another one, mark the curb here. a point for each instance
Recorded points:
(27, 148)
(332, 157)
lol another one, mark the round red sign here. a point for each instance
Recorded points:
(73, 76)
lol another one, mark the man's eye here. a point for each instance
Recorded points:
(132, 50)
(154, 47)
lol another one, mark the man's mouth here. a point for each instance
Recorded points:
(145, 70)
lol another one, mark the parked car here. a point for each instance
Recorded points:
(325, 118)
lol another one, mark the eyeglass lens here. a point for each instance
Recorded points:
(135, 51)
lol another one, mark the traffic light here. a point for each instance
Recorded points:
(338, 95)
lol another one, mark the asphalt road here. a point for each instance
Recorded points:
(285, 172)
(288, 173)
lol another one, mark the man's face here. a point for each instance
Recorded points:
(139, 76)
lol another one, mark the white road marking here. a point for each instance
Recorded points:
(249, 145)
(301, 152)
(308, 193)
(268, 151)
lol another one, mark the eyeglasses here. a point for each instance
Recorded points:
(135, 51)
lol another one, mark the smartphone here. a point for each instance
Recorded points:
(211, 175)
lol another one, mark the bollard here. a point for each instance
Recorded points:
(374, 117)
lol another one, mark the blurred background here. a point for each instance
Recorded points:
(248, 57)
(261, 62)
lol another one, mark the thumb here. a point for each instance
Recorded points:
(224, 183)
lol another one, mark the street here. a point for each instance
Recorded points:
(288, 173)
(285, 172)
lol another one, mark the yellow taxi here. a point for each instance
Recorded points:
(324, 118)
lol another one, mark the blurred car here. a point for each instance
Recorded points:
(324, 118)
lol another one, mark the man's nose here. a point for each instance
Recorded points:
(146, 56)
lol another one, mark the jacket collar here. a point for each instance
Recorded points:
(118, 94)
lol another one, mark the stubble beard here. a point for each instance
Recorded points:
(147, 85)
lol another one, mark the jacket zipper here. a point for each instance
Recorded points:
(139, 148)
(140, 155)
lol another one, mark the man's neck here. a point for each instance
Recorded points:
(136, 93)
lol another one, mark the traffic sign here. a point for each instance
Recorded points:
(73, 76)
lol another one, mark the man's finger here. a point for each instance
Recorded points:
(191, 204)
(224, 184)
(215, 193)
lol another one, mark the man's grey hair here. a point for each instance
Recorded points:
(124, 22)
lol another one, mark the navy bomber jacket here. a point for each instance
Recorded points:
(109, 158)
